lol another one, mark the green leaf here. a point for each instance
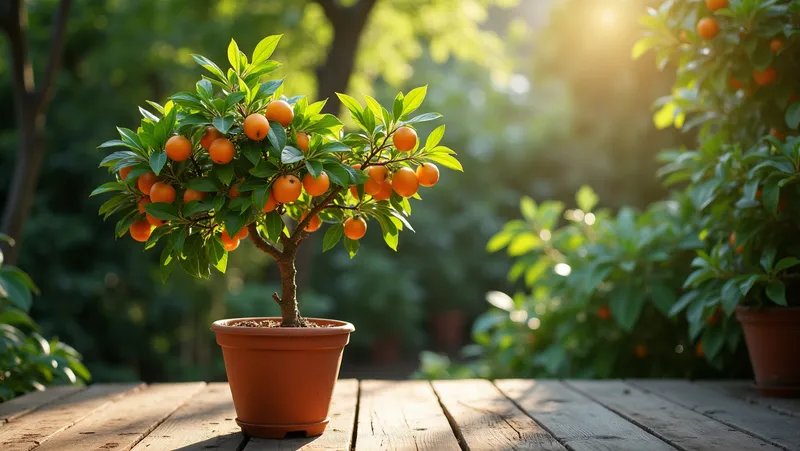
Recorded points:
(332, 146)
(528, 208)
(626, 306)
(252, 151)
(776, 291)
(274, 226)
(179, 239)
(196, 206)
(216, 253)
(233, 56)
(240, 203)
(108, 187)
(157, 161)
(374, 106)
(447, 161)
(770, 196)
(713, 340)
(351, 246)
(205, 90)
(15, 289)
(768, 258)
(234, 221)
(314, 168)
(162, 210)
(586, 198)
(731, 295)
(748, 283)
(276, 135)
(260, 196)
(793, 115)
(264, 169)
(683, 302)
(642, 45)
(422, 118)
(435, 137)
(203, 184)
(210, 66)
(397, 107)
(268, 88)
(224, 172)
(234, 98)
(413, 99)
(265, 48)
(663, 297)
(291, 155)
(352, 105)
(786, 263)
(223, 124)
(219, 202)
(332, 236)
(16, 317)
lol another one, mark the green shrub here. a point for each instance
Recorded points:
(738, 89)
(27, 360)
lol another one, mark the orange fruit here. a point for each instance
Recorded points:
(242, 234)
(735, 84)
(405, 182)
(221, 151)
(286, 189)
(178, 148)
(229, 243)
(386, 191)
(377, 173)
(765, 77)
(758, 193)
(354, 191)
(256, 126)
(313, 224)
(713, 319)
(356, 166)
(698, 350)
(161, 192)
(427, 174)
(732, 240)
(155, 222)
(146, 181)
(302, 141)
(355, 228)
(641, 350)
(123, 173)
(211, 135)
(372, 187)
(192, 194)
(604, 312)
(271, 203)
(776, 45)
(779, 135)
(281, 112)
(140, 231)
(316, 186)
(405, 138)
(233, 192)
(714, 5)
(707, 27)
(142, 202)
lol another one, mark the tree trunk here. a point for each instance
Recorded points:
(290, 315)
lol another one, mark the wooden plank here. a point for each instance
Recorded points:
(124, 423)
(677, 425)
(402, 415)
(485, 419)
(339, 433)
(206, 421)
(27, 432)
(24, 404)
(577, 421)
(776, 428)
(748, 392)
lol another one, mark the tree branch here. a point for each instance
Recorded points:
(314, 210)
(262, 244)
(330, 8)
(57, 37)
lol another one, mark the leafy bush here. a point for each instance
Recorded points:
(27, 360)
(737, 86)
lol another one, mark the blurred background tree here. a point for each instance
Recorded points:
(539, 97)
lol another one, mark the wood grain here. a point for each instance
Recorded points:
(124, 423)
(577, 421)
(28, 431)
(748, 392)
(24, 404)
(402, 415)
(671, 422)
(486, 420)
(206, 421)
(339, 433)
(782, 430)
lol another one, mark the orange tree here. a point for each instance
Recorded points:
(236, 157)
(736, 84)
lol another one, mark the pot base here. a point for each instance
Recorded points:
(279, 431)
(779, 391)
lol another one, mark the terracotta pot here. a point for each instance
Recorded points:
(282, 378)
(448, 328)
(772, 337)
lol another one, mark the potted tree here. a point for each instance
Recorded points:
(736, 84)
(236, 158)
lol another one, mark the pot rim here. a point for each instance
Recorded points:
(336, 328)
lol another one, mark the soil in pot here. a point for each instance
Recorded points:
(772, 337)
(282, 378)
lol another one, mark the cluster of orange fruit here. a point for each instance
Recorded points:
(285, 188)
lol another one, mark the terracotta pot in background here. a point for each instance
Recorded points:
(386, 350)
(282, 378)
(773, 338)
(448, 329)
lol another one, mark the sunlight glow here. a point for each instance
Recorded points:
(534, 323)
(562, 269)
(589, 219)
(500, 300)
(608, 17)
(545, 235)
(518, 316)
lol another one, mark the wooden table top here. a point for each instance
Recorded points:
(635, 415)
